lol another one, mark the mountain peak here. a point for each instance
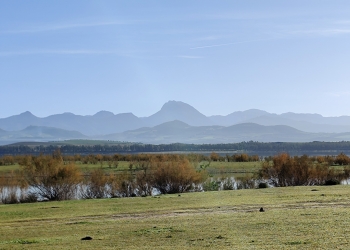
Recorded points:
(27, 114)
(103, 114)
(175, 105)
(176, 110)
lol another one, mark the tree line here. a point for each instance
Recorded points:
(251, 146)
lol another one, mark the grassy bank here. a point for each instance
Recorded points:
(294, 218)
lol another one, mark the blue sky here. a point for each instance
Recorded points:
(133, 56)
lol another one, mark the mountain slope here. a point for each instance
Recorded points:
(272, 119)
(18, 122)
(48, 132)
(105, 122)
(101, 123)
(39, 133)
(176, 131)
(237, 117)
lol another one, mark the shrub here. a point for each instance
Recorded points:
(342, 159)
(121, 185)
(95, 186)
(143, 180)
(28, 198)
(211, 185)
(9, 195)
(50, 179)
(246, 182)
(175, 176)
(299, 171)
(9, 185)
(228, 183)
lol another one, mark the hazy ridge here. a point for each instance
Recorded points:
(177, 122)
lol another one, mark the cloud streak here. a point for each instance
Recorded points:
(326, 32)
(190, 57)
(57, 27)
(227, 44)
(57, 52)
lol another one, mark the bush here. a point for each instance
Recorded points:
(211, 185)
(9, 195)
(299, 171)
(9, 186)
(342, 159)
(121, 185)
(95, 186)
(228, 183)
(176, 176)
(143, 181)
(246, 182)
(50, 179)
(28, 198)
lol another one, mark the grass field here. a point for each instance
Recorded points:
(294, 218)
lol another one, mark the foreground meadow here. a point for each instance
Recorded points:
(315, 217)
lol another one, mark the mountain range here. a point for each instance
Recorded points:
(177, 122)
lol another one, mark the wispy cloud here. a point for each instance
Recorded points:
(227, 44)
(324, 32)
(190, 57)
(242, 15)
(57, 52)
(56, 27)
(209, 38)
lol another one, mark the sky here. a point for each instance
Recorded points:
(133, 56)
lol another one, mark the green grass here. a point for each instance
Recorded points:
(294, 218)
(122, 165)
(8, 168)
(233, 167)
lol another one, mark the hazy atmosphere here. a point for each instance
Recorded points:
(184, 124)
(133, 56)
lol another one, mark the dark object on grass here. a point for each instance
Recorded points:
(263, 185)
(261, 210)
(331, 182)
(87, 238)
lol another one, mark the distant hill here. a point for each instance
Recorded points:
(38, 133)
(101, 123)
(237, 117)
(2, 132)
(49, 132)
(177, 131)
(161, 127)
(304, 125)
